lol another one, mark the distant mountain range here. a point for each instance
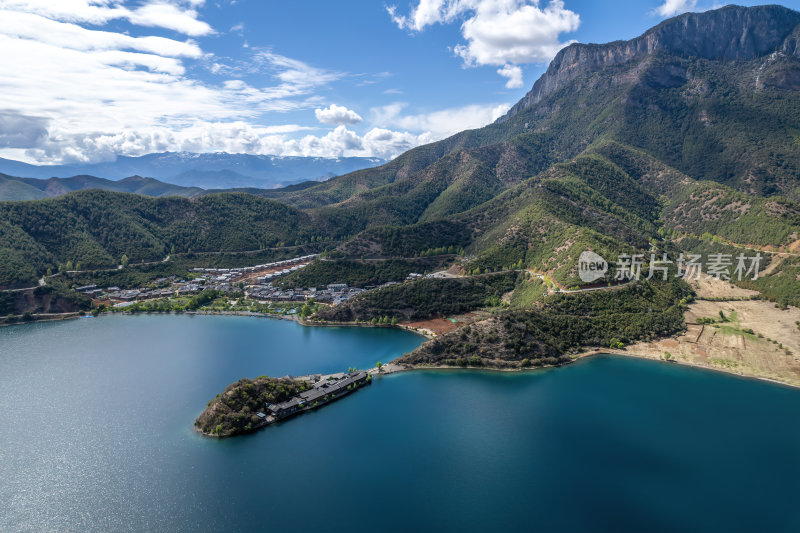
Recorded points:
(13, 188)
(207, 171)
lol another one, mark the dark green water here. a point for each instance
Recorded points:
(95, 435)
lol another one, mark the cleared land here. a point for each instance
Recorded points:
(755, 339)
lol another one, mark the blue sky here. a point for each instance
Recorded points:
(87, 80)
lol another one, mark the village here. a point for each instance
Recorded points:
(255, 283)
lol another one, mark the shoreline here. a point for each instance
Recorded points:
(251, 314)
(690, 365)
(594, 353)
(400, 367)
(46, 317)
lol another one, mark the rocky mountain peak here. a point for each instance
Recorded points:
(726, 34)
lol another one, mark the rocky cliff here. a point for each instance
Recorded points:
(727, 34)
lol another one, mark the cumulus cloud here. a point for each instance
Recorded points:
(83, 94)
(438, 124)
(231, 137)
(74, 91)
(514, 75)
(675, 7)
(337, 114)
(503, 33)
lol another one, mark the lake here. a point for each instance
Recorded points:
(96, 435)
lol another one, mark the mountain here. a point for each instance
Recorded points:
(96, 228)
(15, 189)
(207, 171)
(729, 34)
(686, 137)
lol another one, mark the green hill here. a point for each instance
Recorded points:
(96, 228)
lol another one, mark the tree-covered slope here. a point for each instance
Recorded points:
(96, 228)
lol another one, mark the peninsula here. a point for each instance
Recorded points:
(249, 405)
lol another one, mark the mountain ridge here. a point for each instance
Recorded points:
(747, 33)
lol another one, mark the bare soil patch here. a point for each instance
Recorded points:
(440, 326)
(759, 340)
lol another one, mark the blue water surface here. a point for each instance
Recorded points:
(96, 435)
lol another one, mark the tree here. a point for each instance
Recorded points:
(124, 261)
(379, 366)
(616, 344)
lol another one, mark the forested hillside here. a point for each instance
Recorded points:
(96, 229)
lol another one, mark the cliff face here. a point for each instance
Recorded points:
(726, 34)
(791, 45)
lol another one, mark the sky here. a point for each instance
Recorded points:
(89, 80)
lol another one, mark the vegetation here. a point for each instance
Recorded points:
(234, 410)
(564, 325)
(423, 298)
(528, 292)
(356, 273)
(98, 228)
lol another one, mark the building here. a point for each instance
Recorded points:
(86, 288)
(319, 394)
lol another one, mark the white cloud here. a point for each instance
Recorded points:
(675, 7)
(296, 77)
(438, 124)
(74, 92)
(167, 15)
(174, 15)
(67, 35)
(514, 75)
(503, 33)
(78, 94)
(200, 137)
(336, 114)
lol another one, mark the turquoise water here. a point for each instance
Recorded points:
(95, 435)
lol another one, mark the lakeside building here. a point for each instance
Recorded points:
(323, 392)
